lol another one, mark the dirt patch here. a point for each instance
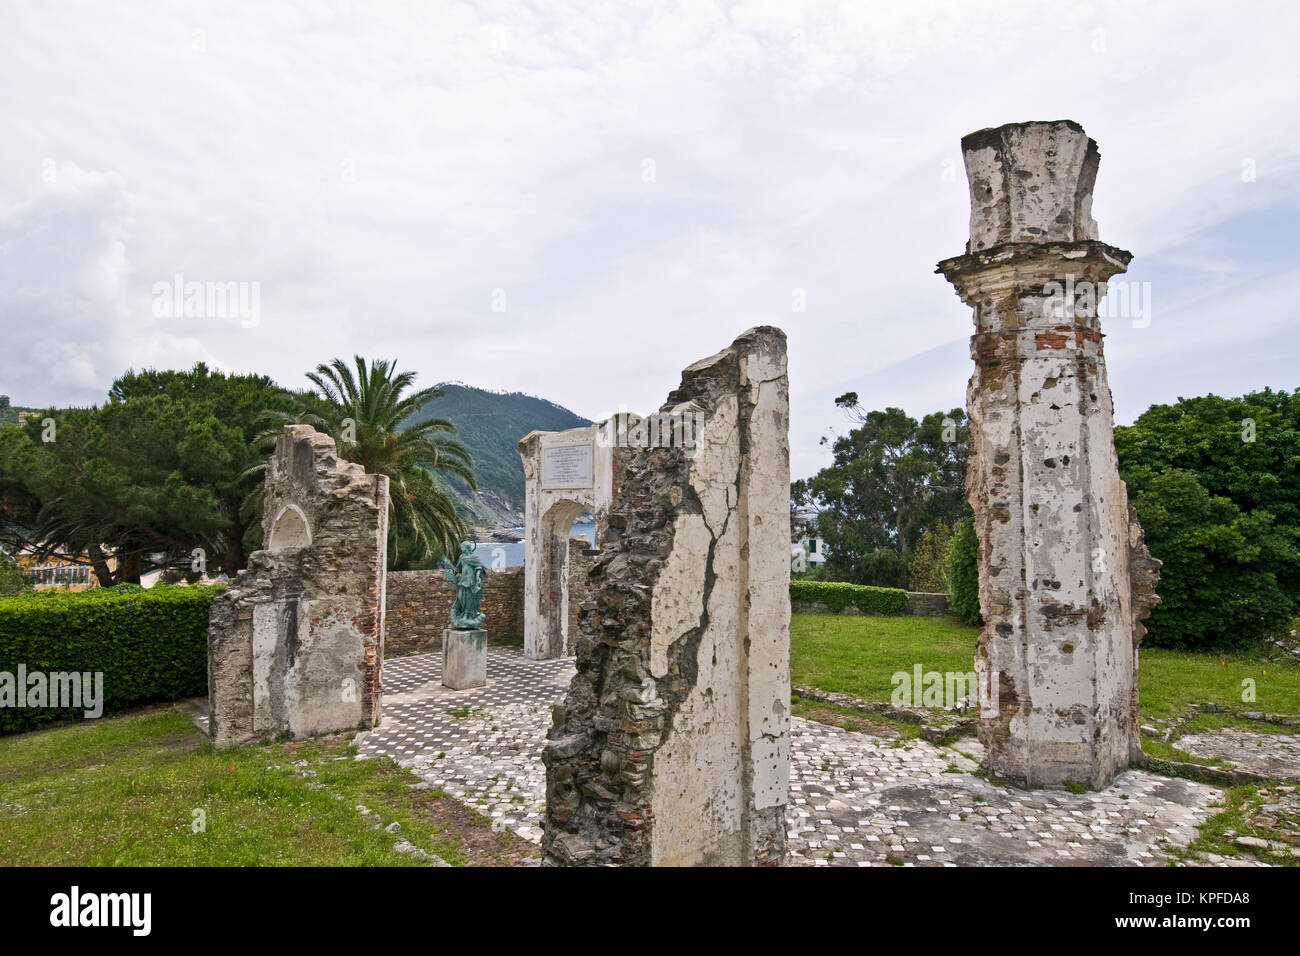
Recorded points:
(846, 719)
(481, 845)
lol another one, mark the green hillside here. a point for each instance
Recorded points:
(491, 424)
(9, 413)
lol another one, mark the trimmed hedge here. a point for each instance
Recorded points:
(837, 595)
(150, 645)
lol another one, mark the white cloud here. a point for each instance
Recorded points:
(381, 168)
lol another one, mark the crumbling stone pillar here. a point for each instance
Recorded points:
(1058, 541)
(672, 745)
(296, 644)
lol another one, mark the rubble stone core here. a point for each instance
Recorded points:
(296, 644)
(1065, 578)
(672, 746)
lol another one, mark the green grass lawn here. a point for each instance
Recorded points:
(857, 655)
(123, 792)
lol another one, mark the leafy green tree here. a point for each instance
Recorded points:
(147, 477)
(891, 478)
(1216, 484)
(373, 417)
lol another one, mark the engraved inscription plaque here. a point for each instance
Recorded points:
(567, 466)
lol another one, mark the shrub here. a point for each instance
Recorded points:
(1216, 484)
(12, 579)
(963, 574)
(1219, 587)
(925, 571)
(149, 645)
(837, 595)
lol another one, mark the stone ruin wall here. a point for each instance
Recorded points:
(419, 604)
(1065, 579)
(672, 745)
(295, 644)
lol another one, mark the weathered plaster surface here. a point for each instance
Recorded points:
(295, 645)
(672, 746)
(1061, 557)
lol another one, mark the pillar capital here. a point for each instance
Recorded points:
(1024, 267)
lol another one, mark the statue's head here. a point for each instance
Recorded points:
(466, 547)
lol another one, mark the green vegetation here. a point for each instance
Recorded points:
(928, 568)
(155, 472)
(12, 580)
(1216, 484)
(1170, 679)
(1237, 819)
(837, 595)
(963, 574)
(149, 645)
(377, 423)
(9, 413)
(891, 479)
(124, 792)
(857, 655)
(491, 424)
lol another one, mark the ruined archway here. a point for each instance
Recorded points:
(565, 474)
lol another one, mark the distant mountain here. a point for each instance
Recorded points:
(490, 424)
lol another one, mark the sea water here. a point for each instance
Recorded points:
(510, 554)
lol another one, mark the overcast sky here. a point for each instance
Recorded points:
(578, 200)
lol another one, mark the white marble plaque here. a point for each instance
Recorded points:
(567, 466)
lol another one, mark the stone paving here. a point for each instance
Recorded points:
(856, 799)
(1266, 753)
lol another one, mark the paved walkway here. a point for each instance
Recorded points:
(855, 799)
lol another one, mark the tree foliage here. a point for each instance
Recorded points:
(892, 477)
(962, 573)
(373, 415)
(1216, 484)
(928, 568)
(149, 476)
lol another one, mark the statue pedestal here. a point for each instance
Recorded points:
(464, 658)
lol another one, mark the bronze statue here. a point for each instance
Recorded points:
(467, 574)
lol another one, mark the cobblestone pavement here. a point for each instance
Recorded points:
(856, 799)
(1269, 753)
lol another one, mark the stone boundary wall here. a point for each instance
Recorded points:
(919, 604)
(419, 603)
(928, 604)
(419, 608)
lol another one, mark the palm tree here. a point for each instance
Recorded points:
(364, 413)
